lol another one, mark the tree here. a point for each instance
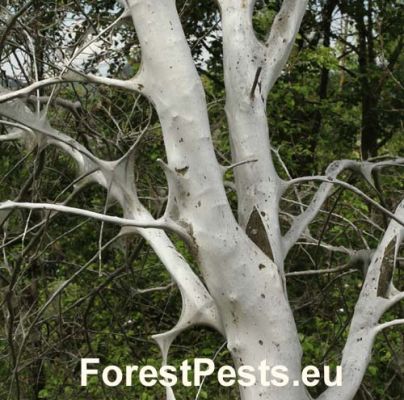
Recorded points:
(373, 21)
(242, 289)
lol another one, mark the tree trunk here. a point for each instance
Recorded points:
(370, 128)
(243, 293)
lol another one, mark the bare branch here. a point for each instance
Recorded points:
(302, 221)
(10, 205)
(389, 324)
(281, 38)
(29, 89)
(154, 289)
(395, 299)
(349, 187)
(375, 298)
(11, 23)
(250, 69)
(117, 177)
(134, 84)
(318, 271)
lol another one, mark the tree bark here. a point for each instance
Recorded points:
(243, 294)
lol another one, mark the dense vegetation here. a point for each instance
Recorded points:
(63, 299)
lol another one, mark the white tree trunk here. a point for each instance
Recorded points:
(242, 261)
